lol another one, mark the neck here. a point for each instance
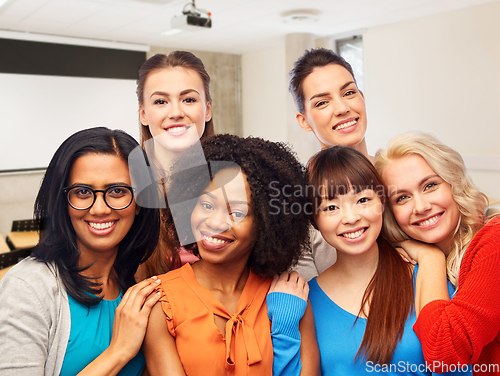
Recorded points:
(218, 277)
(357, 269)
(100, 268)
(164, 157)
(361, 147)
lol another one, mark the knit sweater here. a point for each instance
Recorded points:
(34, 320)
(466, 329)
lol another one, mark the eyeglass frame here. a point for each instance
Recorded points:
(132, 190)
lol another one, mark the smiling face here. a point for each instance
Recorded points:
(422, 202)
(334, 107)
(352, 222)
(100, 229)
(222, 220)
(175, 107)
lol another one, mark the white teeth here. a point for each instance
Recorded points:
(101, 226)
(215, 240)
(429, 221)
(177, 129)
(346, 125)
(353, 235)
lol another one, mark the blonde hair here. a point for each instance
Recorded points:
(449, 165)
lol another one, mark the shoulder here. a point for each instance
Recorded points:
(33, 272)
(487, 239)
(41, 278)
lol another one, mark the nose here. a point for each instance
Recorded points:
(100, 207)
(340, 107)
(349, 214)
(219, 220)
(175, 110)
(420, 204)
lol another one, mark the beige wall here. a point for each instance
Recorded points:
(439, 74)
(264, 94)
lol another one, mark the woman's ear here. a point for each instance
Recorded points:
(301, 119)
(143, 118)
(137, 209)
(208, 112)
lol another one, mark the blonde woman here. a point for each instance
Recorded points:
(433, 200)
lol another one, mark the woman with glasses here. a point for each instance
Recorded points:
(74, 307)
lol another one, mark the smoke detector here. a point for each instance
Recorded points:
(301, 16)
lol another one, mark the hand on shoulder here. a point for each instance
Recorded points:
(290, 283)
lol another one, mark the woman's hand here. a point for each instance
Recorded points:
(129, 329)
(290, 283)
(412, 250)
(131, 317)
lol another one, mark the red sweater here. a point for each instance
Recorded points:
(466, 329)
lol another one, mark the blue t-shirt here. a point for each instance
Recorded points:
(339, 340)
(90, 335)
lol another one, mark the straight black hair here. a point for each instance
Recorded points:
(57, 235)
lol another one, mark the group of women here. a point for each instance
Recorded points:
(195, 278)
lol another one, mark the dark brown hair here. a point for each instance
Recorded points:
(303, 67)
(333, 172)
(183, 59)
(165, 256)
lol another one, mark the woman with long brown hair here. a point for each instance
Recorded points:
(175, 113)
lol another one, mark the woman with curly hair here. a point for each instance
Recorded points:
(433, 201)
(74, 307)
(213, 318)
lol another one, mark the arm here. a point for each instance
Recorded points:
(286, 305)
(159, 346)
(25, 323)
(458, 330)
(129, 328)
(431, 281)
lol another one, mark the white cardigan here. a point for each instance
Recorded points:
(35, 320)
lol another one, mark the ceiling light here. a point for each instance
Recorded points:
(171, 32)
(3, 2)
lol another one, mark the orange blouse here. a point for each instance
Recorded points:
(247, 348)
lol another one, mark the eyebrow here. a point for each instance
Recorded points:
(419, 184)
(327, 93)
(234, 202)
(165, 94)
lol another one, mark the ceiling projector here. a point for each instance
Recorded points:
(192, 19)
(190, 22)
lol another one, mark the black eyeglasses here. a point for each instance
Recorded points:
(82, 197)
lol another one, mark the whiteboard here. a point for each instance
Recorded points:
(39, 112)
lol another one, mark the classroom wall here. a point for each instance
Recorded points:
(264, 90)
(439, 74)
(18, 190)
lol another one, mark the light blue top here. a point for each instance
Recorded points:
(90, 335)
(339, 340)
(285, 312)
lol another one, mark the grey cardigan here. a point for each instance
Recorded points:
(35, 320)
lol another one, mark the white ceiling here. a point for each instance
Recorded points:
(239, 26)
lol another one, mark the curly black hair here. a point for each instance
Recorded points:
(276, 180)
